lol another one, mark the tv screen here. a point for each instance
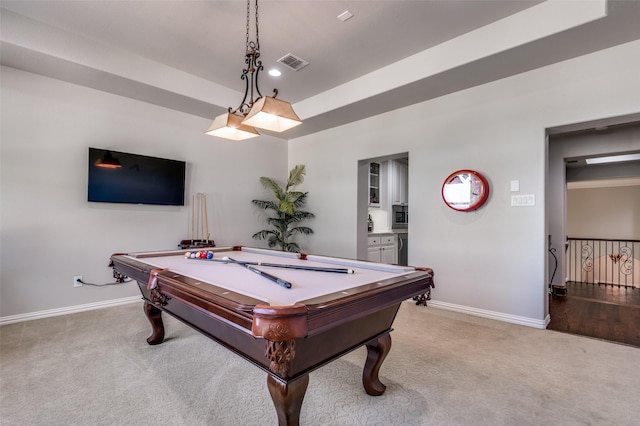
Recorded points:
(118, 177)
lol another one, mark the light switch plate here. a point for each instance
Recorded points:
(526, 200)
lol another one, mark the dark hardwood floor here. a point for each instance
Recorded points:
(601, 311)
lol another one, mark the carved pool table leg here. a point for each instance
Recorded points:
(377, 351)
(287, 398)
(155, 318)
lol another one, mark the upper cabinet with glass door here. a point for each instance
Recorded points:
(374, 184)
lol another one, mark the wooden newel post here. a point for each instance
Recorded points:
(280, 326)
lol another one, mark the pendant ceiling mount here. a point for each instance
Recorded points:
(255, 110)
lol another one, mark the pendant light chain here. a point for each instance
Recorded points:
(248, 43)
(241, 123)
(248, 19)
(257, 32)
(253, 67)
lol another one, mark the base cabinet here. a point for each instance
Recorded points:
(383, 249)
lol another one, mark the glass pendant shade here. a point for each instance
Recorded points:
(266, 113)
(230, 126)
(272, 114)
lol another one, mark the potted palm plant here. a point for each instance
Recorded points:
(284, 212)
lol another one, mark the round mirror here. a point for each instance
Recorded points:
(465, 190)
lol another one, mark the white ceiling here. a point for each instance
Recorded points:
(189, 55)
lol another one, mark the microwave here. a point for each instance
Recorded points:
(399, 217)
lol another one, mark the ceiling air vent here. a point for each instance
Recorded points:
(292, 61)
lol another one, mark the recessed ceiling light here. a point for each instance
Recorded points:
(613, 159)
(275, 73)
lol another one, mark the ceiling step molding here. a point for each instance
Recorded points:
(604, 183)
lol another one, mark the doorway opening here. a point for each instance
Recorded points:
(592, 221)
(383, 209)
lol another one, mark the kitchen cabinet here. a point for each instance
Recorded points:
(374, 184)
(398, 182)
(383, 249)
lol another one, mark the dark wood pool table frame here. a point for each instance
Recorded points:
(287, 342)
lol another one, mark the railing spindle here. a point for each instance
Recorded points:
(603, 261)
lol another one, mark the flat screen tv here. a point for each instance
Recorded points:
(119, 177)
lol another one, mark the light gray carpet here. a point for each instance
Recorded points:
(445, 368)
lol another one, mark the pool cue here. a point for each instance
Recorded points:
(279, 281)
(280, 265)
(197, 219)
(206, 217)
(200, 222)
(202, 215)
(193, 212)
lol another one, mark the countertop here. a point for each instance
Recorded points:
(389, 232)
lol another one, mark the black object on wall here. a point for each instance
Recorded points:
(119, 177)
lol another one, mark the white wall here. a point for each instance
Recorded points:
(50, 233)
(493, 261)
(607, 213)
(490, 262)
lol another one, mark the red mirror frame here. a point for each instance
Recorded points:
(479, 187)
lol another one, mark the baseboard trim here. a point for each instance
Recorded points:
(499, 316)
(67, 310)
(514, 319)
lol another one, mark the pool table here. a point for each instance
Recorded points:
(287, 332)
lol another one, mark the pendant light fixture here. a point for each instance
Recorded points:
(262, 112)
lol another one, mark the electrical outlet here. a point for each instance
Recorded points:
(77, 281)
